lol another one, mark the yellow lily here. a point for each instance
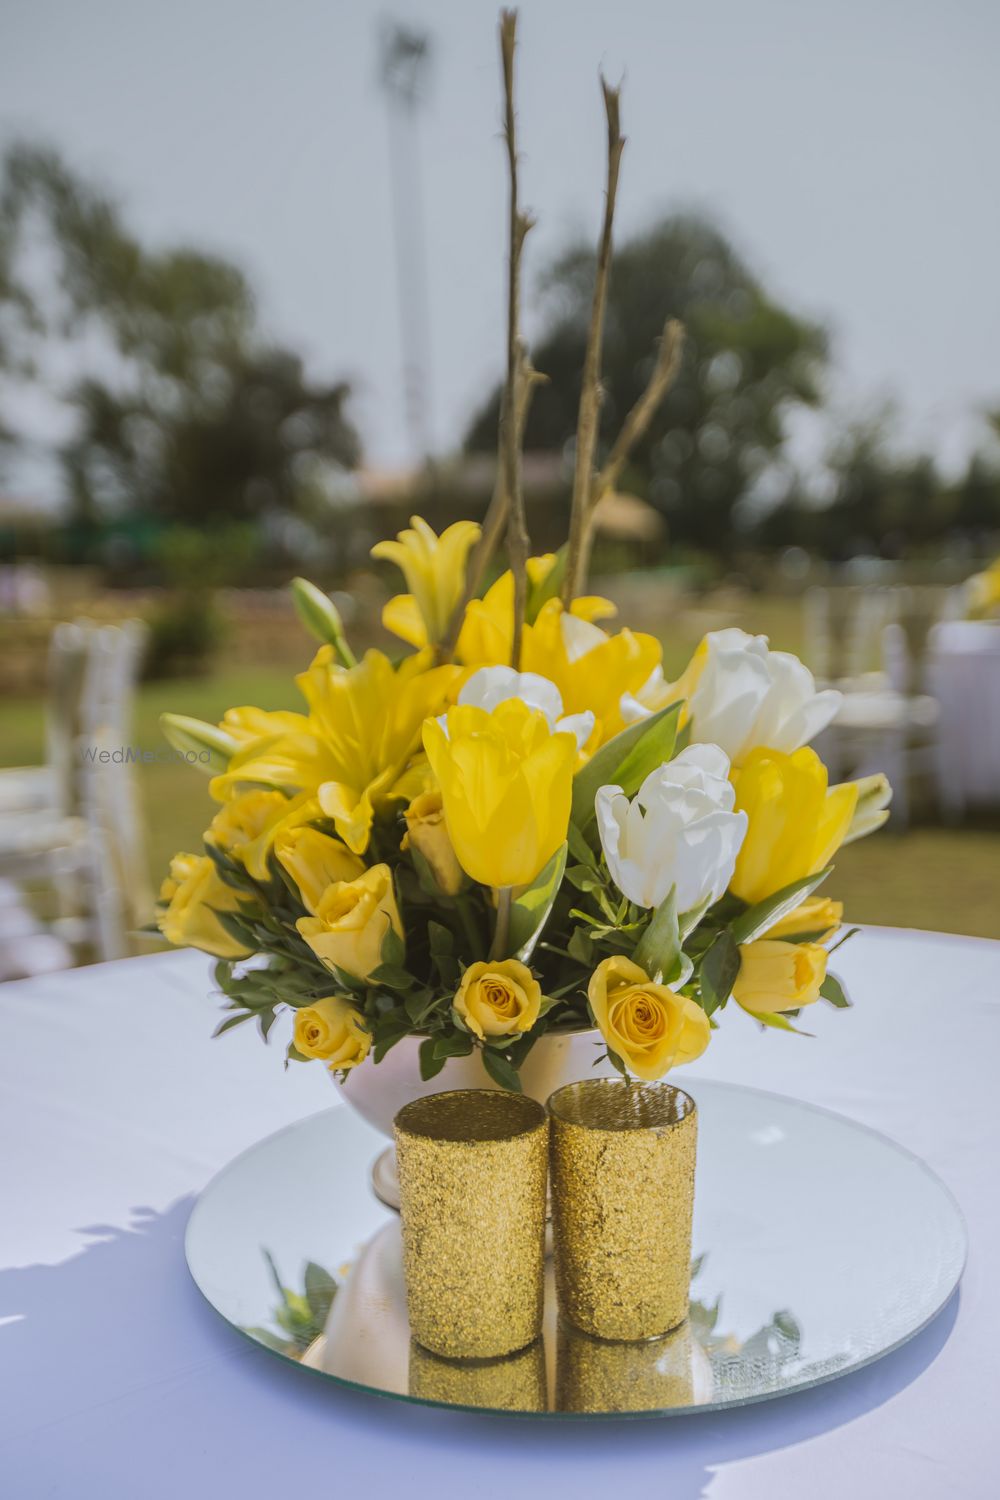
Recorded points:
(487, 630)
(361, 747)
(506, 783)
(591, 669)
(819, 914)
(797, 822)
(434, 569)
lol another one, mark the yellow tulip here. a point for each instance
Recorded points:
(360, 749)
(434, 569)
(351, 922)
(247, 826)
(776, 976)
(192, 894)
(796, 821)
(487, 630)
(819, 914)
(332, 1030)
(650, 1027)
(498, 999)
(315, 861)
(427, 833)
(506, 784)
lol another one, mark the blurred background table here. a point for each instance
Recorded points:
(116, 1108)
(963, 674)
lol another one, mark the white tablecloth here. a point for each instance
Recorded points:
(119, 1383)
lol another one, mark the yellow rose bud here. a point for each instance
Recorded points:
(331, 1029)
(351, 921)
(193, 893)
(776, 976)
(315, 860)
(427, 833)
(818, 915)
(498, 999)
(796, 822)
(650, 1027)
(246, 827)
(506, 784)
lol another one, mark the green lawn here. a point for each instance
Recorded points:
(929, 877)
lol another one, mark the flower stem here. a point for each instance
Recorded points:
(501, 933)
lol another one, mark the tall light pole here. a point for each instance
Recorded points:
(404, 58)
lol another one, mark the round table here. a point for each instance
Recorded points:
(120, 1382)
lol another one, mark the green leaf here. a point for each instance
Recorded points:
(500, 1070)
(659, 948)
(393, 949)
(232, 1021)
(778, 1022)
(624, 761)
(833, 991)
(529, 913)
(452, 1046)
(430, 1063)
(237, 929)
(440, 940)
(758, 918)
(578, 846)
(393, 977)
(320, 1289)
(581, 946)
(388, 1036)
(719, 969)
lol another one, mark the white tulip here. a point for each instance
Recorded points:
(746, 696)
(679, 830)
(492, 685)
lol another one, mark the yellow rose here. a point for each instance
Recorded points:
(506, 783)
(351, 922)
(193, 892)
(427, 834)
(819, 914)
(796, 822)
(246, 827)
(650, 1027)
(331, 1029)
(776, 976)
(315, 860)
(498, 999)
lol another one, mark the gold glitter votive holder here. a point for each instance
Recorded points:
(472, 1177)
(622, 1165)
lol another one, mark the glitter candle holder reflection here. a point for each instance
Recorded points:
(622, 1164)
(515, 1382)
(472, 1173)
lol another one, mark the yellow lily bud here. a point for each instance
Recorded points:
(192, 894)
(650, 1027)
(819, 914)
(202, 744)
(332, 1030)
(776, 976)
(427, 833)
(498, 998)
(434, 569)
(506, 783)
(315, 861)
(246, 827)
(351, 922)
(796, 821)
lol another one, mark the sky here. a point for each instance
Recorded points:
(849, 149)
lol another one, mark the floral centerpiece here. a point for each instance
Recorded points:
(520, 827)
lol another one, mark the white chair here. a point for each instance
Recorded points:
(77, 830)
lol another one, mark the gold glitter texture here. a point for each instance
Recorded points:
(607, 1375)
(514, 1383)
(472, 1171)
(622, 1165)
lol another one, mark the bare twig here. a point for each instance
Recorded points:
(590, 392)
(495, 520)
(518, 544)
(665, 371)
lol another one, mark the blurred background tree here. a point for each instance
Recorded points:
(188, 413)
(748, 363)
